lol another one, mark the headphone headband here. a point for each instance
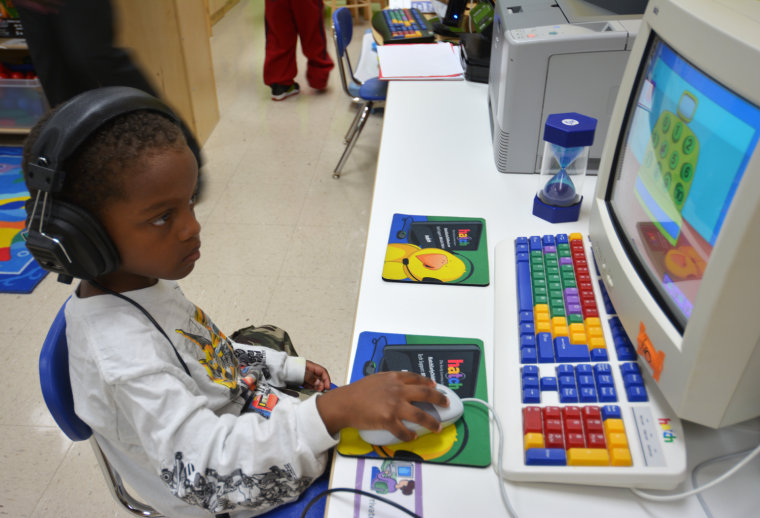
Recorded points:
(77, 119)
(62, 237)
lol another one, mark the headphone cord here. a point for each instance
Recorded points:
(147, 314)
(359, 492)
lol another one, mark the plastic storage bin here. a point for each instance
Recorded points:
(22, 103)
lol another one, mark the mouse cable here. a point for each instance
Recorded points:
(706, 463)
(358, 492)
(502, 487)
(666, 498)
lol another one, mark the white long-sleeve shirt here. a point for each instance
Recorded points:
(181, 441)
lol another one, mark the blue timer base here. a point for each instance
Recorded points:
(554, 214)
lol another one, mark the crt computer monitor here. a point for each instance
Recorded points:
(675, 223)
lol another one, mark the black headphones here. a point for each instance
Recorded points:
(62, 237)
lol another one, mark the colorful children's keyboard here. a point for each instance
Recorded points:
(575, 406)
(402, 25)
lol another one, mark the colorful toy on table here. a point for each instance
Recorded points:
(568, 137)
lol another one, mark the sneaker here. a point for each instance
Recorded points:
(280, 92)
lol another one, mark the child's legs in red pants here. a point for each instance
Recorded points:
(310, 24)
(281, 38)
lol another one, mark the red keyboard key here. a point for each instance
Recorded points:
(552, 425)
(552, 412)
(574, 440)
(532, 422)
(571, 412)
(596, 440)
(554, 440)
(573, 425)
(593, 412)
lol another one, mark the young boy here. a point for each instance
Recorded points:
(175, 418)
(286, 22)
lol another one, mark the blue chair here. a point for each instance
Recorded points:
(366, 93)
(56, 390)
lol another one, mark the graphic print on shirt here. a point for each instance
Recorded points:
(220, 360)
(219, 493)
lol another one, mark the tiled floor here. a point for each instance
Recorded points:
(282, 243)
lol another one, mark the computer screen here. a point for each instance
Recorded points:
(684, 122)
(677, 212)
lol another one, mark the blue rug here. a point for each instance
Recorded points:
(19, 272)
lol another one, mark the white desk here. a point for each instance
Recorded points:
(446, 168)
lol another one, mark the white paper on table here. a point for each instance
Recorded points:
(419, 61)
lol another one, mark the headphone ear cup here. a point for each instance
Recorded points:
(72, 242)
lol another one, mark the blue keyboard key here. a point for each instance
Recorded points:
(528, 341)
(548, 239)
(599, 355)
(625, 354)
(630, 368)
(633, 379)
(531, 396)
(549, 383)
(526, 317)
(565, 370)
(585, 380)
(604, 380)
(587, 394)
(568, 395)
(545, 457)
(528, 355)
(607, 394)
(636, 393)
(535, 243)
(545, 348)
(566, 381)
(527, 328)
(524, 291)
(562, 239)
(602, 368)
(529, 382)
(567, 352)
(611, 412)
(529, 370)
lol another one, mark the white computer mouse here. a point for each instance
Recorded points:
(445, 415)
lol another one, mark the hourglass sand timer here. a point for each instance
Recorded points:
(568, 137)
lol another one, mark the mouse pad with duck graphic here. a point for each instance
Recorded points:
(455, 362)
(437, 250)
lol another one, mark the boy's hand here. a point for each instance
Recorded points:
(316, 377)
(381, 401)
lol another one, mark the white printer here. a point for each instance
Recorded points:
(554, 56)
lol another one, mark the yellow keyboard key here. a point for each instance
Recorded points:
(559, 331)
(613, 426)
(593, 322)
(594, 331)
(578, 338)
(588, 457)
(575, 235)
(559, 321)
(620, 457)
(534, 440)
(617, 440)
(597, 343)
(577, 327)
(543, 326)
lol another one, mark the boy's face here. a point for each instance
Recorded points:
(154, 226)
